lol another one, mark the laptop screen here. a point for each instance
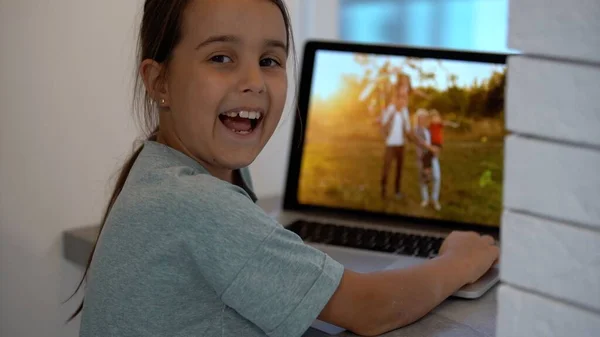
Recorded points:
(410, 136)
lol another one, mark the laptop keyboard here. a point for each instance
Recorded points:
(368, 239)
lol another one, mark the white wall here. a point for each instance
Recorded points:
(65, 69)
(65, 125)
(551, 224)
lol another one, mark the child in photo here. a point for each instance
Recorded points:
(424, 154)
(428, 162)
(436, 128)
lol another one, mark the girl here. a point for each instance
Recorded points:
(184, 250)
(428, 161)
(424, 154)
(436, 128)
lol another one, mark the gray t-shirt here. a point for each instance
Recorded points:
(186, 254)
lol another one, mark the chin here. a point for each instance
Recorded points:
(238, 161)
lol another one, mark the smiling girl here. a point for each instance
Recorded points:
(184, 250)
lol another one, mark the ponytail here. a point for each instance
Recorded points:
(115, 194)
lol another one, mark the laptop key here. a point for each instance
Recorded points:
(381, 239)
(303, 231)
(403, 250)
(421, 253)
(397, 239)
(388, 249)
(425, 246)
(339, 237)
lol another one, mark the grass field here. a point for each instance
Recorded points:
(343, 169)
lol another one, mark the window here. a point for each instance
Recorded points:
(456, 24)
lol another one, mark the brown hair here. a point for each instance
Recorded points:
(159, 34)
(403, 77)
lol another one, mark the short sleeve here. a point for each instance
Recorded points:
(258, 268)
(387, 113)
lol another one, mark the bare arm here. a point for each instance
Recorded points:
(450, 124)
(421, 94)
(372, 304)
(419, 142)
(386, 116)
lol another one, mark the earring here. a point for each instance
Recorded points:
(162, 101)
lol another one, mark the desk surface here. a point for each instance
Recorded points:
(453, 318)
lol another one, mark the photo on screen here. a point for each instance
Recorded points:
(409, 136)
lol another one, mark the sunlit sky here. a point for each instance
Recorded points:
(331, 65)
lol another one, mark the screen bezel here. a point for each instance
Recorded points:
(291, 203)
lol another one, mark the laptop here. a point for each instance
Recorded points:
(362, 186)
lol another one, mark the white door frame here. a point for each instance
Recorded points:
(317, 19)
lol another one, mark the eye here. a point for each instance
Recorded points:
(269, 62)
(221, 59)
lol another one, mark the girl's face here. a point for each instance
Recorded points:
(226, 84)
(423, 121)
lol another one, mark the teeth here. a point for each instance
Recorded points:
(230, 114)
(244, 114)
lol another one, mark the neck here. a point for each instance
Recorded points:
(171, 140)
(399, 104)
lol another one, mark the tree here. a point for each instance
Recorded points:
(495, 96)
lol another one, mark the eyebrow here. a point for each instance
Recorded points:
(237, 40)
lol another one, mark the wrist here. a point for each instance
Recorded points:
(458, 269)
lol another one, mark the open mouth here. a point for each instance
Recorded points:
(241, 122)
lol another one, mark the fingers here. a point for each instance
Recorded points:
(489, 239)
(496, 252)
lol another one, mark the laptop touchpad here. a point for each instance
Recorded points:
(358, 261)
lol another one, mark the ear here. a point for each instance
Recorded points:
(152, 74)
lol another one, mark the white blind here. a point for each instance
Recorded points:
(457, 24)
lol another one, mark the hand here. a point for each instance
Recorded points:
(475, 253)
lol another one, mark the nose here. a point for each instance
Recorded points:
(252, 80)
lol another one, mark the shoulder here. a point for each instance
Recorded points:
(390, 108)
(184, 188)
(163, 188)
